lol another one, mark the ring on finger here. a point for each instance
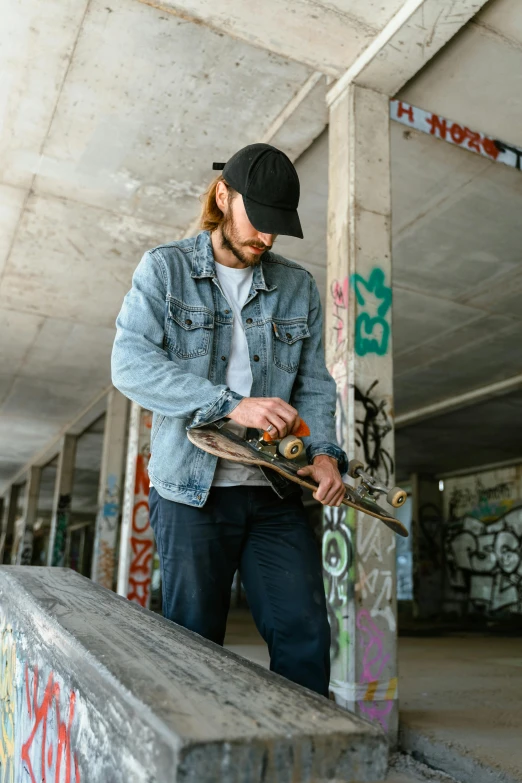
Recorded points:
(270, 428)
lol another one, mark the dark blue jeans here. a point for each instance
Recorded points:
(270, 541)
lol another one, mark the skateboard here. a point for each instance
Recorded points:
(278, 455)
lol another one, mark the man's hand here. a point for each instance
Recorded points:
(325, 472)
(261, 412)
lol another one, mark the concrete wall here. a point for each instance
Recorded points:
(483, 543)
(95, 689)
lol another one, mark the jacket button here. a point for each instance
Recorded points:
(227, 312)
(188, 322)
(249, 320)
(256, 358)
(289, 335)
(224, 358)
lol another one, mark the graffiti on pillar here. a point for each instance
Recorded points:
(106, 564)
(141, 541)
(7, 701)
(377, 702)
(47, 748)
(374, 424)
(62, 517)
(337, 561)
(111, 502)
(372, 325)
(110, 511)
(339, 292)
(375, 583)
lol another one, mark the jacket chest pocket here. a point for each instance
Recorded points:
(188, 329)
(288, 343)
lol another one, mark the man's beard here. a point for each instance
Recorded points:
(230, 241)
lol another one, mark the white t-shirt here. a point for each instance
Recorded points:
(236, 284)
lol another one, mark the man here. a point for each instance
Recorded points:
(218, 329)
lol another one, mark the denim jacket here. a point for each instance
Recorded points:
(174, 334)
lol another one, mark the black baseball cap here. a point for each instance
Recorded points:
(268, 182)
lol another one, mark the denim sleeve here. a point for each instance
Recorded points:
(314, 391)
(141, 368)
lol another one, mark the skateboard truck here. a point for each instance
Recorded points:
(370, 486)
(289, 447)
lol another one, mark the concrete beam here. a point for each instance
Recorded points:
(133, 697)
(458, 401)
(287, 31)
(62, 502)
(76, 426)
(410, 39)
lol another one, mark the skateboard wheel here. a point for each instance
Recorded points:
(353, 466)
(290, 447)
(396, 497)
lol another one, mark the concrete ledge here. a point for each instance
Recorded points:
(94, 688)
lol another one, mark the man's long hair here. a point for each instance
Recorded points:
(211, 215)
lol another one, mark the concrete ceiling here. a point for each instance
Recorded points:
(482, 434)
(113, 114)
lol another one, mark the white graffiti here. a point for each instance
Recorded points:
(485, 562)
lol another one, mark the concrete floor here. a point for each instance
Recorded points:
(460, 704)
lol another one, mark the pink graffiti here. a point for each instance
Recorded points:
(374, 661)
(340, 302)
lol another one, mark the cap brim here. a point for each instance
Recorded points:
(271, 220)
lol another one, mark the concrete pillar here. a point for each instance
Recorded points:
(110, 489)
(22, 552)
(62, 502)
(137, 540)
(428, 550)
(8, 522)
(358, 550)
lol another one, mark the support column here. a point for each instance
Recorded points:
(23, 552)
(8, 522)
(110, 489)
(62, 502)
(137, 539)
(358, 550)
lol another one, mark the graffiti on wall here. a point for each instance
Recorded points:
(455, 133)
(372, 325)
(36, 720)
(337, 562)
(141, 540)
(483, 543)
(47, 752)
(7, 701)
(484, 562)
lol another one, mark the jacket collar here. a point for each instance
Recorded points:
(204, 265)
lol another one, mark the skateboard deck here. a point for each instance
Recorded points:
(228, 445)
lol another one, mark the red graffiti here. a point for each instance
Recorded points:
(141, 538)
(461, 135)
(374, 661)
(405, 109)
(50, 735)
